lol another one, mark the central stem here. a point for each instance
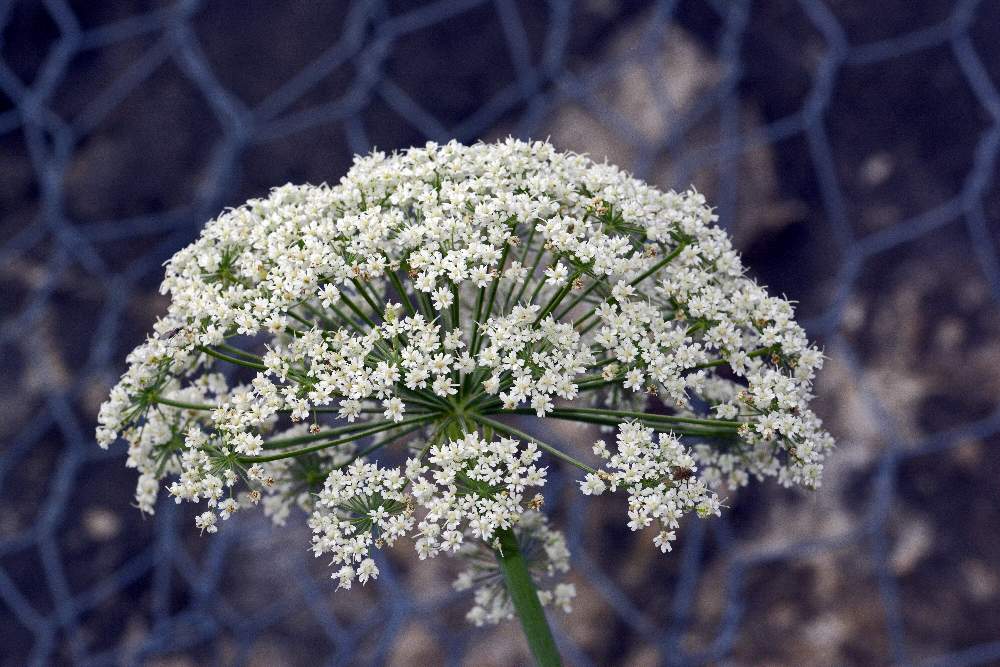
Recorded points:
(525, 598)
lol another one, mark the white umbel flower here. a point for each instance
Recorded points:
(419, 306)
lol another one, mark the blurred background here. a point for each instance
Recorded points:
(850, 147)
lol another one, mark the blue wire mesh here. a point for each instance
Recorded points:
(61, 601)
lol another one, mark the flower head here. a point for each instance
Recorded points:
(419, 306)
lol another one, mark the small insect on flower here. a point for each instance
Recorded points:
(681, 474)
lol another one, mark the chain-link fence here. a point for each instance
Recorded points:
(850, 147)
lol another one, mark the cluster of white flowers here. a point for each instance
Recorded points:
(659, 475)
(471, 487)
(360, 506)
(417, 307)
(467, 487)
(537, 360)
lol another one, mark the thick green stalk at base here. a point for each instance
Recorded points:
(525, 598)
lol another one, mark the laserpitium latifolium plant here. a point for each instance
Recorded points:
(421, 312)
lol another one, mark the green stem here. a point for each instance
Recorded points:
(721, 362)
(624, 414)
(659, 265)
(575, 302)
(275, 443)
(658, 426)
(363, 291)
(328, 324)
(232, 360)
(521, 435)
(357, 311)
(235, 351)
(525, 598)
(182, 404)
(531, 273)
(403, 296)
(477, 336)
(416, 421)
(557, 298)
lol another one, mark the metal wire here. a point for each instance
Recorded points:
(369, 35)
